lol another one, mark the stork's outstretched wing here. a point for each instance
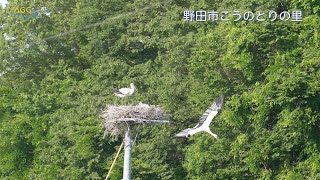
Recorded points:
(212, 111)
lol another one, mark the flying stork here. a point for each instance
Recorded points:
(205, 120)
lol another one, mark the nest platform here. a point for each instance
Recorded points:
(118, 119)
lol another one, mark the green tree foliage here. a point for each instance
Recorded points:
(59, 71)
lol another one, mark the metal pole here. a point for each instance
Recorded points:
(127, 156)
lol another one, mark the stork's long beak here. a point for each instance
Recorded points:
(181, 135)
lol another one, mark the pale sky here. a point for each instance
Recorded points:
(3, 2)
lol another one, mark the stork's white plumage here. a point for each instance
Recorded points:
(143, 105)
(205, 120)
(123, 92)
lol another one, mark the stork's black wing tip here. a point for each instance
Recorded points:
(221, 97)
(220, 101)
(116, 91)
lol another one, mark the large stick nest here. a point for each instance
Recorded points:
(118, 118)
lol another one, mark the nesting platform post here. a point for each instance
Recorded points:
(127, 156)
(121, 119)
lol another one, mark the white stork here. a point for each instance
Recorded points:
(205, 120)
(124, 92)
